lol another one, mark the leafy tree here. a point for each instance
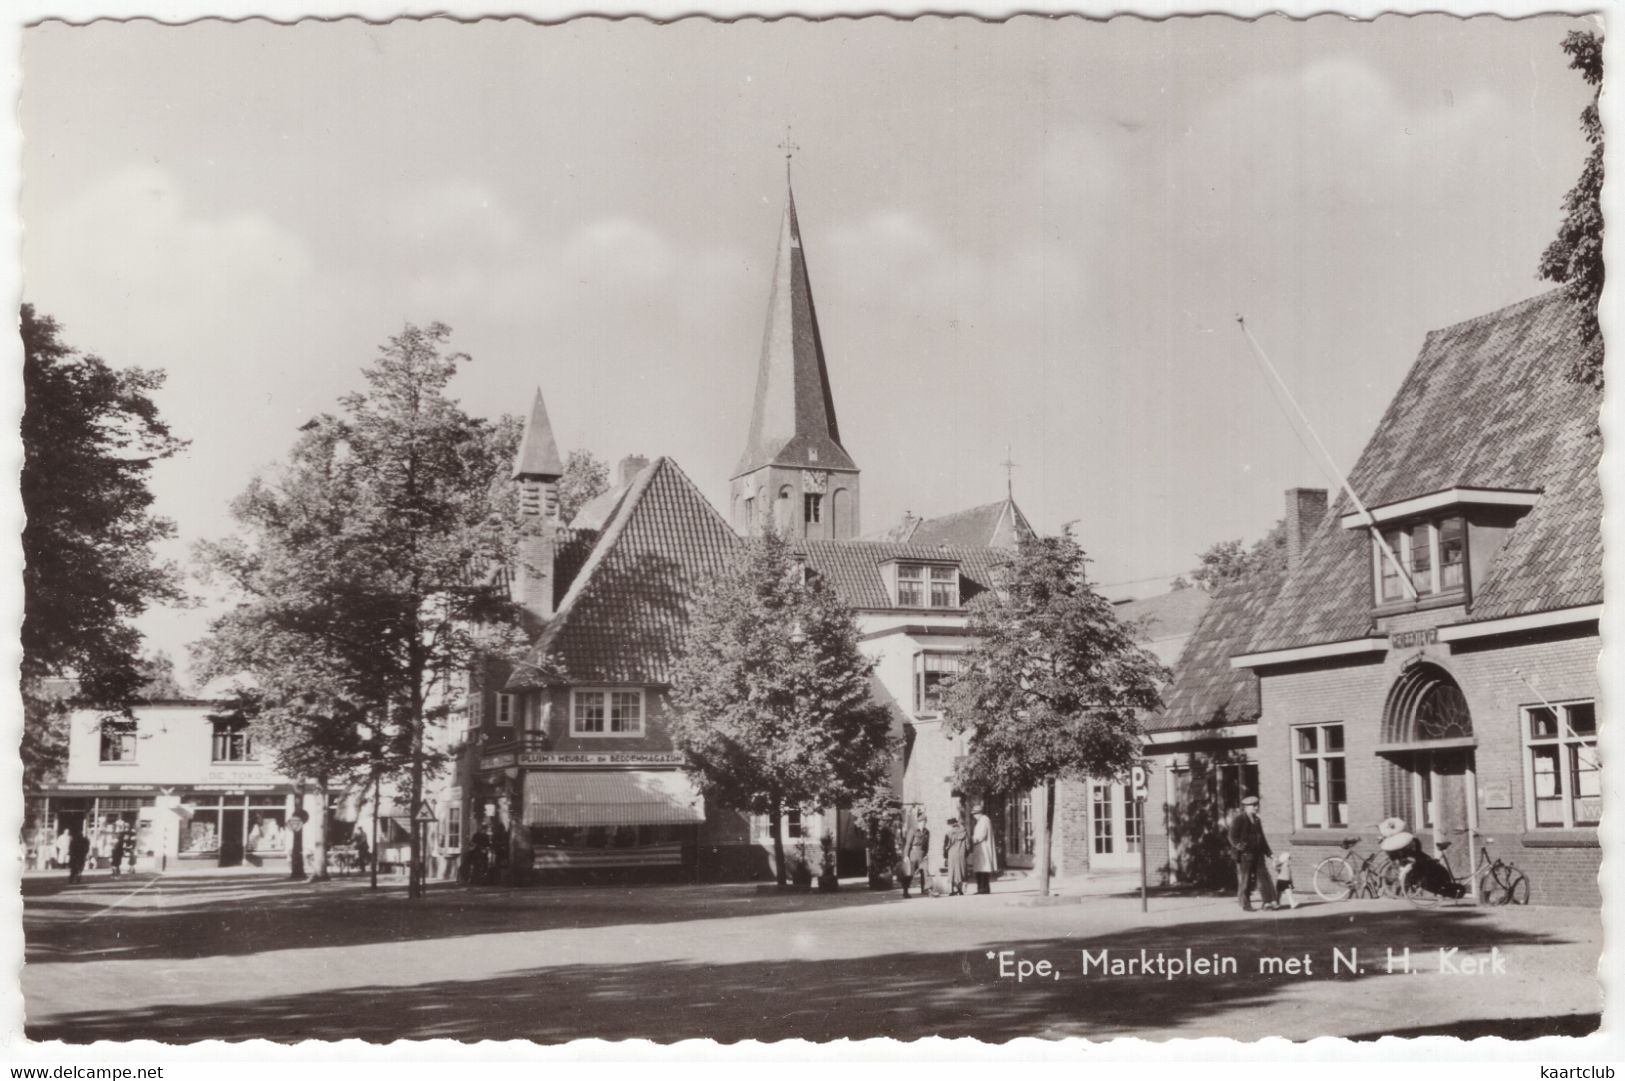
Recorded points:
(1228, 560)
(772, 700)
(1199, 824)
(1053, 685)
(91, 435)
(584, 478)
(159, 680)
(363, 573)
(1574, 257)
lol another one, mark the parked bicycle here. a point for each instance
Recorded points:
(1338, 878)
(1425, 880)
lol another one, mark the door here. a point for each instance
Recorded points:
(231, 837)
(1444, 796)
(1016, 830)
(1114, 827)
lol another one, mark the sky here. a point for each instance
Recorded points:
(1034, 235)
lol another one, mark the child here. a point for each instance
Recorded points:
(1283, 880)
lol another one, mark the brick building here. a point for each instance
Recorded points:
(1451, 679)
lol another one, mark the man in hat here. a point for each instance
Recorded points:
(1252, 852)
(983, 860)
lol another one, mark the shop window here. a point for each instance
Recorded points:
(505, 710)
(118, 739)
(1432, 553)
(232, 742)
(1318, 759)
(606, 712)
(1562, 775)
(932, 671)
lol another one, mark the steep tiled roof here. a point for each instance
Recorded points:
(1485, 405)
(998, 524)
(625, 615)
(1206, 692)
(538, 452)
(852, 568)
(1167, 617)
(792, 420)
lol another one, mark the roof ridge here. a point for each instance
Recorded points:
(1515, 308)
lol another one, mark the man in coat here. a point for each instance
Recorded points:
(983, 861)
(953, 853)
(78, 851)
(1252, 852)
(917, 855)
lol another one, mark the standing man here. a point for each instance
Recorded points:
(1252, 852)
(917, 854)
(78, 850)
(983, 862)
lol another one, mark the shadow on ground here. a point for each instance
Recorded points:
(905, 994)
(184, 919)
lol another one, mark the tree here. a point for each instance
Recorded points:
(1574, 257)
(771, 694)
(91, 435)
(1053, 685)
(363, 574)
(1228, 560)
(584, 478)
(159, 680)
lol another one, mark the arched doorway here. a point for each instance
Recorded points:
(1428, 746)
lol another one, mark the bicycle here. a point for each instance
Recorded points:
(1498, 882)
(1338, 878)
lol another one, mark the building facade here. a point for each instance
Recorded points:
(181, 778)
(1435, 659)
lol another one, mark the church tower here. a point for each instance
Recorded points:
(794, 474)
(537, 467)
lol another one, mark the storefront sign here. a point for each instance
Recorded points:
(1407, 639)
(237, 778)
(600, 758)
(497, 761)
(1495, 795)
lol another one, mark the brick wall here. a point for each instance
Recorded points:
(1562, 866)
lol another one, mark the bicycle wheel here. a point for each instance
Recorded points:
(1492, 887)
(1334, 879)
(1387, 877)
(1517, 884)
(1414, 890)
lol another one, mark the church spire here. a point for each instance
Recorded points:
(538, 452)
(793, 419)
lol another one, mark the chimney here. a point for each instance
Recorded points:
(1305, 507)
(631, 466)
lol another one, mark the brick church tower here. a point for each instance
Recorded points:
(537, 467)
(794, 473)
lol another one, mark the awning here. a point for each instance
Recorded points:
(611, 798)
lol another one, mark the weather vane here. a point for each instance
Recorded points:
(1009, 473)
(789, 149)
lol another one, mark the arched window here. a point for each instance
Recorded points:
(840, 514)
(1425, 706)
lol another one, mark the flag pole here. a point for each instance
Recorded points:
(1370, 520)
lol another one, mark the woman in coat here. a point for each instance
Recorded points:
(953, 848)
(983, 862)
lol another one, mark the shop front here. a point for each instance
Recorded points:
(102, 812)
(600, 810)
(231, 827)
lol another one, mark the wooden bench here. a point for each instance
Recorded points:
(578, 859)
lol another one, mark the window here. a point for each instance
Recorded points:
(1100, 818)
(1434, 555)
(911, 586)
(921, 586)
(1563, 780)
(476, 708)
(812, 509)
(1133, 822)
(606, 713)
(537, 713)
(932, 671)
(232, 742)
(118, 739)
(505, 710)
(1317, 754)
(454, 825)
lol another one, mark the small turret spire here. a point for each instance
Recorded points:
(538, 452)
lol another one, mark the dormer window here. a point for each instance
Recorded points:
(926, 585)
(1432, 553)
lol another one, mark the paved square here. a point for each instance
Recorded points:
(241, 957)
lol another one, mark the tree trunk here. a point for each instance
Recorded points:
(296, 858)
(320, 874)
(414, 880)
(377, 785)
(775, 816)
(1046, 837)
